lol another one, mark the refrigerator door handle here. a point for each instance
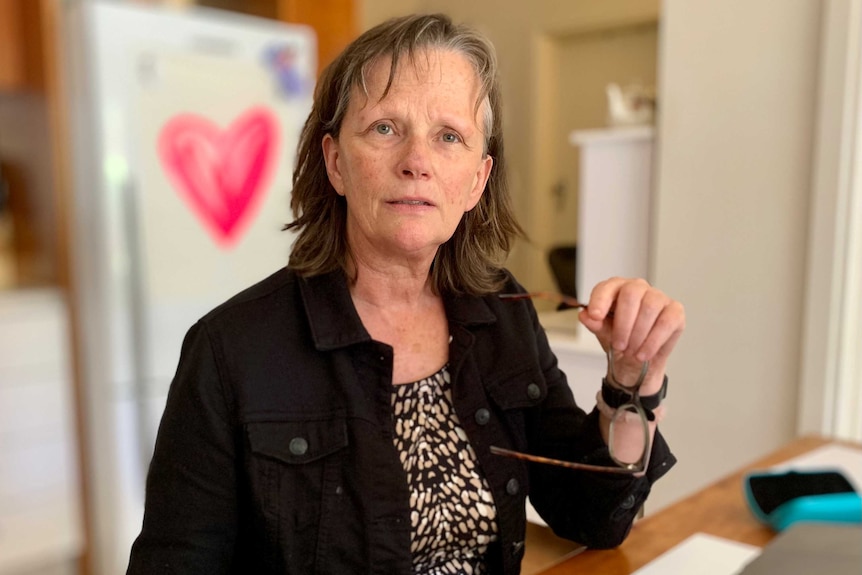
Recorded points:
(145, 436)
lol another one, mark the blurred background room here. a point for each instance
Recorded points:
(711, 147)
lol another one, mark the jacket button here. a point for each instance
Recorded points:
(533, 391)
(483, 416)
(298, 446)
(512, 486)
(628, 502)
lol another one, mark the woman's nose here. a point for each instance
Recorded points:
(416, 160)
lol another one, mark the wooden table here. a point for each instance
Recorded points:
(719, 509)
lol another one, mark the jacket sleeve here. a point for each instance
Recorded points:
(190, 513)
(592, 508)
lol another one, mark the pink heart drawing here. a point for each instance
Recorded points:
(222, 174)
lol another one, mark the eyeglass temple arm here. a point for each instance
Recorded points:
(558, 297)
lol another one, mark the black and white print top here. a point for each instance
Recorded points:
(453, 517)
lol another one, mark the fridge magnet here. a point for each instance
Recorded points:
(283, 61)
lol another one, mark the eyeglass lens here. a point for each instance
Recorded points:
(628, 439)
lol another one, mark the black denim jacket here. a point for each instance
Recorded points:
(275, 453)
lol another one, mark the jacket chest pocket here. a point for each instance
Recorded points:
(294, 467)
(515, 394)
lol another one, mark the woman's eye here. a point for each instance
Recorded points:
(384, 129)
(451, 138)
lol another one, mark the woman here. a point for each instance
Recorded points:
(338, 416)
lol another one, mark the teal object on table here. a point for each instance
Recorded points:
(781, 499)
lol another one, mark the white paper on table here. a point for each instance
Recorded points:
(702, 554)
(838, 457)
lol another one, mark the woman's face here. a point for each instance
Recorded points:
(411, 164)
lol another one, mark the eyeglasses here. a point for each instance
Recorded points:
(566, 301)
(634, 456)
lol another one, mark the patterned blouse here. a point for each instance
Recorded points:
(453, 517)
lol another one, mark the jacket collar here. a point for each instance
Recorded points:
(331, 314)
(335, 323)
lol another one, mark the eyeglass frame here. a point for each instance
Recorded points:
(634, 405)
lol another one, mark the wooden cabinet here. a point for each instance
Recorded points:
(31, 129)
(334, 21)
(20, 45)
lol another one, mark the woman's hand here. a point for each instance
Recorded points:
(644, 326)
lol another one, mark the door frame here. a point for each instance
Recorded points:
(830, 398)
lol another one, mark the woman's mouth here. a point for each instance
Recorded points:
(411, 203)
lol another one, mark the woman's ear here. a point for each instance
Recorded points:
(482, 176)
(331, 155)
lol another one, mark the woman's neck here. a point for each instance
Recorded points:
(391, 284)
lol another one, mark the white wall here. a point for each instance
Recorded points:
(737, 93)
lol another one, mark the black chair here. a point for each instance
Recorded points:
(562, 260)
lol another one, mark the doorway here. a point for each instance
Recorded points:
(573, 71)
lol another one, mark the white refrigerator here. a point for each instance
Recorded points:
(184, 132)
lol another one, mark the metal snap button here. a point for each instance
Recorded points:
(512, 486)
(483, 416)
(628, 502)
(533, 391)
(298, 446)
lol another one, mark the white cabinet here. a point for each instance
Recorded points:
(614, 204)
(613, 240)
(40, 519)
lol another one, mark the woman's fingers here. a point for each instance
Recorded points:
(664, 332)
(645, 322)
(627, 313)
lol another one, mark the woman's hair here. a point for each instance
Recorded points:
(471, 261)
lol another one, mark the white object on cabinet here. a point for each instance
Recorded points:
(614, 204)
